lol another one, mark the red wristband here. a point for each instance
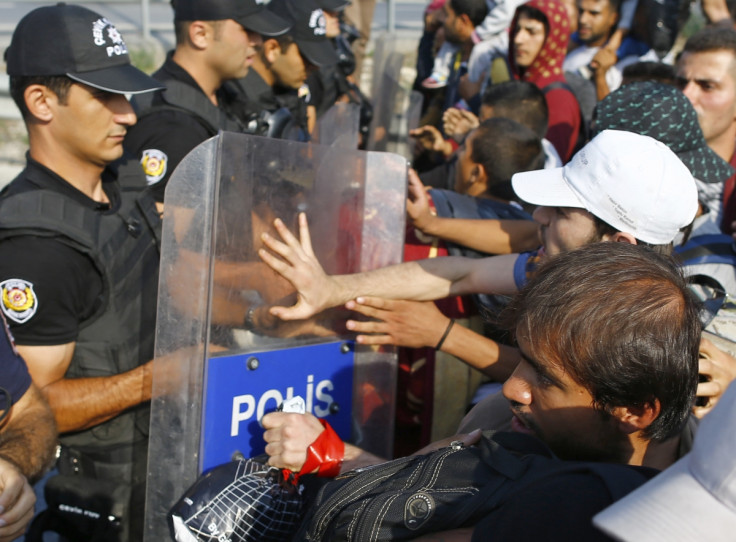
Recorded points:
(325, 454)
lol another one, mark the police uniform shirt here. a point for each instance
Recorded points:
(324, 89)
(164, 137)
(48, 287)
(14, 376)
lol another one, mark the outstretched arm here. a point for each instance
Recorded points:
(491, 236)
(422, 280)
(421, 324)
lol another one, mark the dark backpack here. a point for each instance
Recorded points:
(584, 91)
(450, 488)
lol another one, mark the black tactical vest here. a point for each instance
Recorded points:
(180, 96)
(125, 249)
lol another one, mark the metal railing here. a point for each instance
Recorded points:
(146, 11)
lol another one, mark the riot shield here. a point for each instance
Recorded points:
(396, 108)
(386, 44)
(220, 365)
(339, 126)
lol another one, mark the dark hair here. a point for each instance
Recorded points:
(181, 30)
(649, 71)
(505, 147)
(58, 84)
(615, 5)
(284, 41)
(603, 228)
(534, 14)
(712, 38)
(619, 319)
(476, 10)
(521, 101)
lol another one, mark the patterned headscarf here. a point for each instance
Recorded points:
(664, 113)
(547, 67)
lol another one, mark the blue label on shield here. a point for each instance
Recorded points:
(240, 389)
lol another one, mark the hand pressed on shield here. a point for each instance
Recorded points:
(720, 370)
(298, 265)
(413, 324)
(417, 204)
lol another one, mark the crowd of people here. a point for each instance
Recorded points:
(575, 160)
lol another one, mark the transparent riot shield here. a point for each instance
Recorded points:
(221, 362)
(339, 126)
(405, 120)
(387, 102)
(396, 108)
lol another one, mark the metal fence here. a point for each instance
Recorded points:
(145, 5)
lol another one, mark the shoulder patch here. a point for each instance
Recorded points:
(154, 164)
(19, 301)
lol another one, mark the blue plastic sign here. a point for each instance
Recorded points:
(240, 389)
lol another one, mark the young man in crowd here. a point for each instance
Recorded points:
(590, 385)
(572, 212)
(706, 71)
(539, 35)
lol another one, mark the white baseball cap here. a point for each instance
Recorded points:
(632, 182)
(694, 499)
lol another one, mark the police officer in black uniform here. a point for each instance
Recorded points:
(336, 83)
(79, 254)
(277, 82)
(216, 41)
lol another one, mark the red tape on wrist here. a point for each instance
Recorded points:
(325, 454)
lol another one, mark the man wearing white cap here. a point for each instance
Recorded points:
(621, 187)
(694, 499)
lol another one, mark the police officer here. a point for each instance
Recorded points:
(336, 83)
(79, 250)
(278, 78)
(216, 40)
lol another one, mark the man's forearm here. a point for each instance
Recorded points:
(81, 403)
(601, 84)
(423, 280)
(490, 236)
(497, 361)
(28, 438)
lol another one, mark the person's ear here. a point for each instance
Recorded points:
(40, 101)
(271, 50)
(634, 419)
(621, 237)
(479, 174)
(200, 34)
